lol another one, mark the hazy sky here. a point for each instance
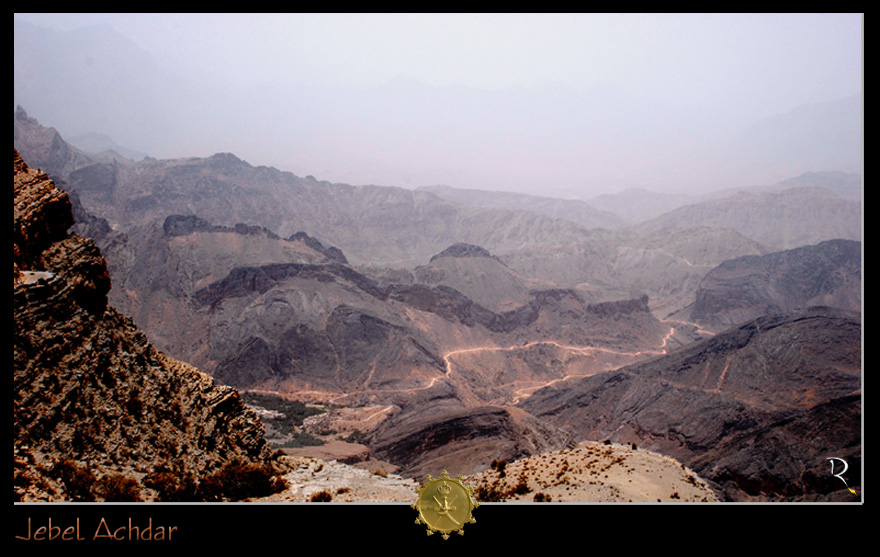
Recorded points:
(733, 67)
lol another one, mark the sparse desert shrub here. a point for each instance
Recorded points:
(356, 436)
(499, 466)
(301, 439)
(321, 497)
(173, 486)
(522, 487)
(294, 412)
(22, 478)
(239, 480)
(78, 480)
(117, 488)
(542, 497)
(489, 493)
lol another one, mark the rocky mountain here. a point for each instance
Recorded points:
(44, 147)
(466, 440)
(452, 327)
(103, 146)
(299, 320)
(372, 224)
(826, 135)
(845, 184)
(439, 360)
(480, 276)
(325, 326)
(635, 205)
(668, 264)
(98, 413)
(574, 210)
(158, 267)
(779, 220)
(738, 290)
(756, 410)
(388, 227)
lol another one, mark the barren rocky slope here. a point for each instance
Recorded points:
(588, 473)
(98, 413)
(827, 274)
(446, 349)
(309, 322)
(44, 147)
(371, 224)
(592, 472)
(480, 276)
(780, 220)
(382, 226)
(755, 409)
(667, 265)
(573, 210)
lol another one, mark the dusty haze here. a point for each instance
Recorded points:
(571, 105)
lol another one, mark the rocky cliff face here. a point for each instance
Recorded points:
(98, 413)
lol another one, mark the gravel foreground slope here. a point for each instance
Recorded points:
(591, 473)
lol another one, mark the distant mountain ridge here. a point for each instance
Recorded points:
(574, 210)
(635, 205)
(547, 136)
(780, 220)
(370, 224)
(847, 185)
(786, 144)
(44, 147)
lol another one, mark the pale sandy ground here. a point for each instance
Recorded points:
(363, 483)
(596, 473)
(591, 473)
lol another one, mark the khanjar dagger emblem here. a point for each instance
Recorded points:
(445, 505)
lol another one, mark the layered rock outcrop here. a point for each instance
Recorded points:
(90, 393)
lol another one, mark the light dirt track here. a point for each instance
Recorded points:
(334, 397)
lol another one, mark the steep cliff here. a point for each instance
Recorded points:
(98, 413)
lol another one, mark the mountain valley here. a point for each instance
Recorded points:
(467, 329)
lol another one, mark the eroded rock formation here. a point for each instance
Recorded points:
(95, 406)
